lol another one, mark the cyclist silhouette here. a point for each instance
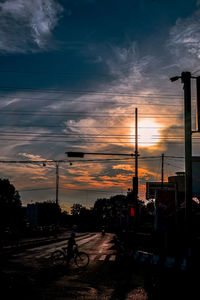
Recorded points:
(71, 243)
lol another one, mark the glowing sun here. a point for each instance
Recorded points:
(148, 133)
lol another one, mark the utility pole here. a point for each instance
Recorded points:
(186, 80)
(135, 178)
(136, 143)
(57, 186)
(162, 170)
(57, 181)
(198, 105)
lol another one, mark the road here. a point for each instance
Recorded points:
(30, 275)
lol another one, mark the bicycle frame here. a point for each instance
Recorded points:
(80, 258)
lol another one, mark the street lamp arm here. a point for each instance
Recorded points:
(81, 154)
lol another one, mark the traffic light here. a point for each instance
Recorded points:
(132, 212)
(198, 105)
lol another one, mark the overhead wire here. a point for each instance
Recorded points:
(71, 189)
(56, 90)
(23, 112)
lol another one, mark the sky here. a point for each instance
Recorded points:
(72, 74)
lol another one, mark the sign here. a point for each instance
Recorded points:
(166, 202)
(152, 187)
(196, 176)
(165, 206)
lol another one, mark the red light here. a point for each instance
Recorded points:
(132, 212)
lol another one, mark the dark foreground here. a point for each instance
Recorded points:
(31, 275)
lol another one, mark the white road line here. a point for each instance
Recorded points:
(84, 241)
(92, 257)
(80, 242)
(46, 255)
(44, 250)
(112, 258)
(102, 257)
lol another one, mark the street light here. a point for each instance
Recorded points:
(175, 78)
(82, 154)
(186, 80)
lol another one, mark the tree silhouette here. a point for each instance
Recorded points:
(76, 209)
(10, 205)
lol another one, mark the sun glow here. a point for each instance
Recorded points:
(148, 133)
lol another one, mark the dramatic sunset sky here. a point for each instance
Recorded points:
(72, 73)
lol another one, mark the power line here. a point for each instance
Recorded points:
(24, 112)
(79, 160)
(54, 90)
(78, 126)
(71, 189)
(91, 142)
(65, 134)
(88, 136)
(116, 102)
(178, 167)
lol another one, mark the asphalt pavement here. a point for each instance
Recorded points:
(28, 275)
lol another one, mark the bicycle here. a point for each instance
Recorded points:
(81, 258)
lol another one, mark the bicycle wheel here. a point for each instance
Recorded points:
(82, 259)
(58, 257)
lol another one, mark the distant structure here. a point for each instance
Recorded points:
(176, 182)
(32, 214)
(42, 213)
(167, 195)
(152, 187)
(179, 181)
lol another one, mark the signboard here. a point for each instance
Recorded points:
(152, 187)
(166, 202)
(196, 176)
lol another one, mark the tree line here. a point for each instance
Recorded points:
(112, 213)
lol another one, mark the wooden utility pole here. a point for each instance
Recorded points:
(198, 105)
(135, 182)
(162, 170)
(57, 181)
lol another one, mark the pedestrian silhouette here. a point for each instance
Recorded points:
(71, 243)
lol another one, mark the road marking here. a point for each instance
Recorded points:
(84, 241)
(112, 258)
(92, 257)
(102, 257)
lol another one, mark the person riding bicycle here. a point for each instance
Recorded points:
(71, 243)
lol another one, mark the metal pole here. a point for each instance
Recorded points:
(136, 143)
(57, 181)
(198, 104)
(186, 79)
(162, 171)
(135, 178)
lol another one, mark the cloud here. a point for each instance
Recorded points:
(184, 40)
(27, 25)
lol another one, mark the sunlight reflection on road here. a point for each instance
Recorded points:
(137, 294)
